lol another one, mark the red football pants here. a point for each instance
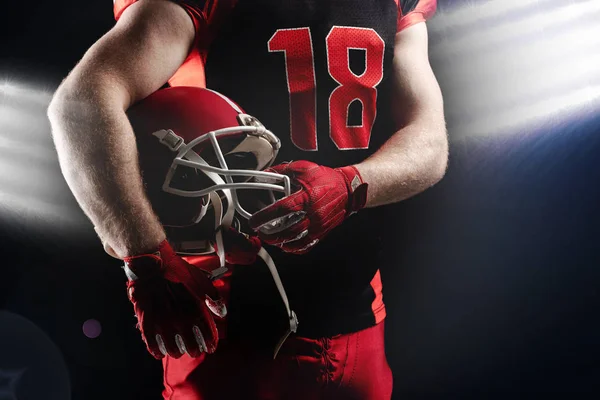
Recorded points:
(351, 366)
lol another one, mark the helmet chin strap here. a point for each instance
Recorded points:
(215, 199)
(293, 319)
(262, 253)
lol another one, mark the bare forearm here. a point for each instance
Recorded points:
(411, 161)
(415, 157)
(98, 157)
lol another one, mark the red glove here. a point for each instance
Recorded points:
(324, 199)
(175, 303)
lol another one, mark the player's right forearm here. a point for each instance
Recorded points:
(98, 157)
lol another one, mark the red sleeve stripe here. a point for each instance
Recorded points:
(411, 12)
(378, 306)
(119, 6)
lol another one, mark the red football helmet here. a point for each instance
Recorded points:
(197, 148)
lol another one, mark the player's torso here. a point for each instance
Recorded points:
(316, 73)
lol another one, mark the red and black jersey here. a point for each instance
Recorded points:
(318, 74)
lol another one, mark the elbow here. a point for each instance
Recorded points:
(70, 88)
(61, 108)
(439, 162)
(57, 113)
(438, 157)
(55, 110)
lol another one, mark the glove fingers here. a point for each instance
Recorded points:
(207, 330)
(170, 344)
(144, 316)
(290, 168)
(294, 233)
(152, 345)
(301, 246)
(193, 346)
(166, 311)
(306, 243)
(169, 297)
(279, 215)
(217, 307)
(199, 287)
(189, 302)
(279, 169)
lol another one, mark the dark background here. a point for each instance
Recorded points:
(491, 283)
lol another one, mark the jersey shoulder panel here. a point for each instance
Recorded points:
(209, 11)
(411, 12)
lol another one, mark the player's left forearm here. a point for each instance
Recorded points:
(412, 160)
(415, 157)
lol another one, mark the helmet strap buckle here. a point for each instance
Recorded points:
(169, 138)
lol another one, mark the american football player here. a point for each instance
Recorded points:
(348, 89)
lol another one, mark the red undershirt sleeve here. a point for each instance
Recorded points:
(411, 12)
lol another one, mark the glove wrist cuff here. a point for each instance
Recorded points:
(164, 247)
(357, 189)
(146, 265)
